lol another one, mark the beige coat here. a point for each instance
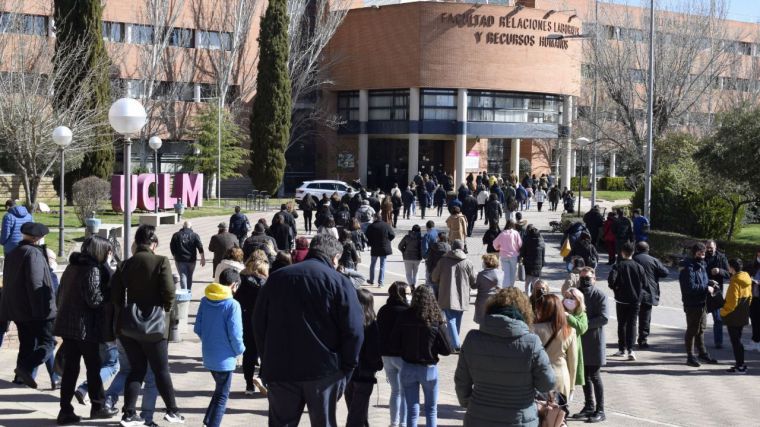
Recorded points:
(562, 356)
(455, 275)
(457, 227)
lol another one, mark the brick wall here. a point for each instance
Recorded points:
(11, 187)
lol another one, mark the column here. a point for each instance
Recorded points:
(197, 92)
(363, 137)
(612, 164)
(414, 135)
(514, 158)
(574, 164)
(567, 141)
(460, 148)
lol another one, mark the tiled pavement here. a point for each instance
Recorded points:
(656, 390)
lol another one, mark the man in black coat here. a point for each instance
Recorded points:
(594, 222)
(493, 210)
(308, 326)
(407, 198)
(379, 234)
(220, 243)
(594, 347)
(470, 211)
(716, 265)
(422, 199)
(623, 230)
(185, 245)
(288, 218)
(655, 270)
(695, 287)
(627, 279)
(239, 225)
(29, 302)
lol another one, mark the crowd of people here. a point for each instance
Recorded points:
(301, 316)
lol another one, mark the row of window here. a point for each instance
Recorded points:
(691, 118)
(18, 23)
(720, 83)
(179, 91)
(441, 104)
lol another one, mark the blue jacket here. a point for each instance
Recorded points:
(219, 324)
(11, 232)
(639, 232)
(428, 240)
(693, 281)
(308, 323)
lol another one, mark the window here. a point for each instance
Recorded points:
(504, 107)
(113, 32)
(215, 40)
(389, 105)
(438, 104)
(142, 34)
(208, 91)
(35, 25)
(17, 23)
(348, 105)
(181, 37)
(135, 88)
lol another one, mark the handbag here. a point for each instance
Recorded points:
(550, 413)
(715, 300)
(142, 326)
(565, 251)
(521, 272)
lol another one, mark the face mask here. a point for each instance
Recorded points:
(585, 282)
(409, 299)
(570, 304)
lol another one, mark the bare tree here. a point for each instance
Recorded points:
(28, 113)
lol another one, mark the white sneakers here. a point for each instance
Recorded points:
(632, 356)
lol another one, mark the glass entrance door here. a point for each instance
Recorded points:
(387, 163)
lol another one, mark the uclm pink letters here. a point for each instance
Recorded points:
(187, 188)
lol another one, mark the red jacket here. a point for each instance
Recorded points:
(609, 236)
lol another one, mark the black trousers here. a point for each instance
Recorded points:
(395, 217)
(593, 388)
(35, 343)
(307, 221)
(626, 314)
(481, 210)
(645, 318)
(287, 401)
(754, 315)
(140, 354)
(357, 400)
(422, 209)
(73, 352)
(250, 355)
(696, 322)
(471, 224)
(407, 211)
(735, 335)
(554, 205)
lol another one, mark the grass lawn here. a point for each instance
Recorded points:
(749, 234)
(611, 196)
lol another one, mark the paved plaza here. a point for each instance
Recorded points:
(656, 390)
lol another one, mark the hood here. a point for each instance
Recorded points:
(456, 254)
(742, 279)
(503, 326)
(217, 292)
(18, 211)
(492, 275)
(78, 258)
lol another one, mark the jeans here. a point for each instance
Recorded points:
(696, 322)
(109, 364)
(645, 318)
(381, 277)
(717, 329)
(140, 354)
(287, 400)
(529, 280)
(397, 403)
(357, 399)
(36, 343)
(413, 377)
(185, 271)
(218, 405)
(413, 207)
(626, 317)
(73, 352)
(150, 393)
(411, 268)
(735, 335)
(509, 265)
(454, 317)
(593, 387)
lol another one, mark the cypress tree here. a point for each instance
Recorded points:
(79, 31)
(270, 116)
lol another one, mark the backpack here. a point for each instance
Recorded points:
(342, 218)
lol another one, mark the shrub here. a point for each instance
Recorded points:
(88, 193)
(609, 183)
(584, 182)
(667, 246)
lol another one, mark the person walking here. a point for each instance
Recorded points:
(281, 233)
(386, 210)
(419, 337)
(594, 348)
(252, 278)
(694, 289)
(608, 235)
(508, 243)
(655, 270)
(575, 308)
(82, 322)
(239, 225)
(364, 214)
(411, 252)
(259, 240)
(490, 235)
(232, 259)
(219, 325)
(594, 223)
(422, 199)
(457, 224)
(379, 235)
(533, 255)
(397, 303)
(482, 198)
(560, 342)
(493, 210)
(455, 275)
(308, 206)
(716, 265)
(554, 196)
(407, 198)
(358, 236)
(502, 365)
(640, 226)
(307, 354)
(434, 255)
(627, 280)
(396, 200)
(540, 197)
(439, 199)
(220, 243)
(623, 230)
(470, 211)
(288, 217)
(150, 392)
(735, 311)
(488, 283)
(359, 387)
(145, 280)
(585, 249)
(28, 301)
(185, 245)
(15, 217)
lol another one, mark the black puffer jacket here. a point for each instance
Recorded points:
(379, 235)
(435, 254)
(28, 287)
(83, 296)
(411, 246)
(386, 320)
(533, 253)
(417, 342)
(350, 257)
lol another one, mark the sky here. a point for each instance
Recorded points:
(740, 10)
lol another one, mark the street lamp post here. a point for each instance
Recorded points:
(155, 143)
(581, 143)
(127, 116)
(62, 138)
(650, 118)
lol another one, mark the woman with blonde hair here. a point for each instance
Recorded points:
(575, 310)
(487, 283)
(559, 341)
(252, 278)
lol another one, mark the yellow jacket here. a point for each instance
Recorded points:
(739, 288)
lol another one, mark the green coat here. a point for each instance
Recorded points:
(579, 322)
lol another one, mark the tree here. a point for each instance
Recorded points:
(79, 23)
(206, 133)
(271, 113)
(731, 154)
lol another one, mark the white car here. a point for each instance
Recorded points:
(320, 187)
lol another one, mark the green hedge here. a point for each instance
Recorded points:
(616, 183)
(574, 183)
(665, 245)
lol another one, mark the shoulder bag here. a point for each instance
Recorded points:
(139, 325)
